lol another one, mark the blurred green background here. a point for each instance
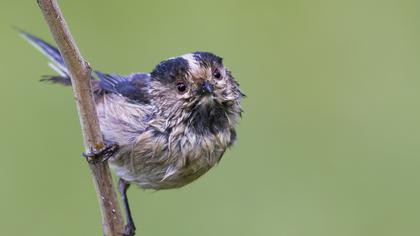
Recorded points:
(329, 143)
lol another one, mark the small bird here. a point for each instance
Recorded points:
(170, 126)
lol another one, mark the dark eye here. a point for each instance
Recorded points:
(181, 87)
(217, 74)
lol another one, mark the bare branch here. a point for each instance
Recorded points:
(80, 74)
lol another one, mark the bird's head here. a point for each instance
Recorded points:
(196, 85)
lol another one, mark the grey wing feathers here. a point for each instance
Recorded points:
(110, 82)
(134, 86)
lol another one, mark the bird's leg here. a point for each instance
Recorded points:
(130, 228)
(102, 155)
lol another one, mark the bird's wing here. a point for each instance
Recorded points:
(135, 87)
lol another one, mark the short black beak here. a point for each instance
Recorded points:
(206, 88)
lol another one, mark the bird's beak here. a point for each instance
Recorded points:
(206, 88)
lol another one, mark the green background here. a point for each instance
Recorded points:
(328, 144)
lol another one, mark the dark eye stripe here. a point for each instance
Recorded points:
(207, 59)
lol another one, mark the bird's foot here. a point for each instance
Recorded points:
(102, 155)
(129, 229)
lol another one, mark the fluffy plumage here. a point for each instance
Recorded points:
(172, 125)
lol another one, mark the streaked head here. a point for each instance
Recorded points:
(196, 82)
(198, 76)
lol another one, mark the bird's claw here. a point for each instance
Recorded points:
(102, 155)
(129, 229)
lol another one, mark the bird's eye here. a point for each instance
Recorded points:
(182, 87)
(217, 74)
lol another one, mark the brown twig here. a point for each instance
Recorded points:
(80, 74)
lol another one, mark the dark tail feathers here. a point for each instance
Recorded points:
(107, 82)
(54, 56)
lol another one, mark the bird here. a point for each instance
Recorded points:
(163, 129)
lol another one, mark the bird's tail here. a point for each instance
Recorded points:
(56, 61)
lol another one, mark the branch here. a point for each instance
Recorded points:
(80, 75)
